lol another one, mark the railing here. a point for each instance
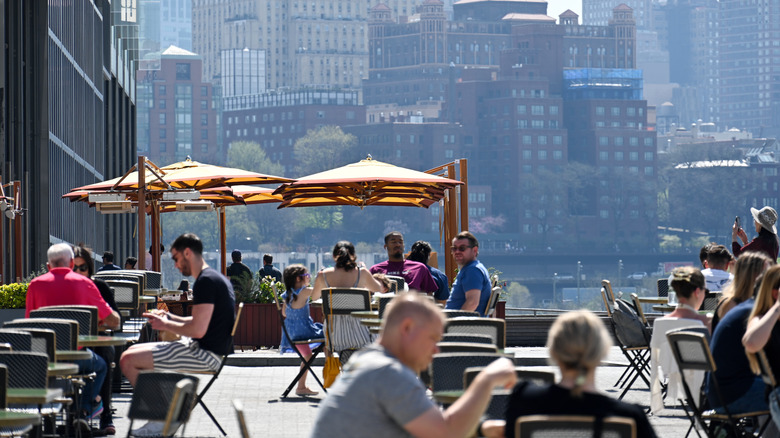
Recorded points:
(534, 311)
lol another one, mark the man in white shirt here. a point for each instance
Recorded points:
(719, 260)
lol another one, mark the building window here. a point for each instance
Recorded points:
(162, 118)
(603, 141)
(633, 156)
(527, 154)
(204, 134)
(618, 141)
(618, 155)
(161, 90)
(537, 110)
(527, 168)
(182, 71)
(557, 155)
(553, 110)
(649, 157)
(631, 111)
(615, 111)
(599, 110)
(542, 154)
(161, 104)
(648, 141)
(204, 90)
(604, 156)
(162, 147)
(633, 141)
(204, 104)
(604, 214)
(527, 139)
(557, 139)
(542, 139)
(521, 109)
(204, 119)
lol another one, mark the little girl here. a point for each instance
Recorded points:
(298, 321)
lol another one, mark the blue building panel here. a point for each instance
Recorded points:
(602, 83)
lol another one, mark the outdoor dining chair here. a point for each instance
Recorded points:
(337, 305)
(19, 340)
(452, 313)
(93, 310)
(163, 396)
(66, 331)
(662, 286)
(447, 369)
(495, 294)
(498, 402)
(692, 352)
(634, 341)
(467, 337)
(30, 418)
(545, 426)
(495, 328)
(314, 352)
(465, 347)
(239, 408)
(84, 317)
(214, 375)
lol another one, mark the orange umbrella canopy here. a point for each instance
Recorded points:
(220, 196)
(367, 182)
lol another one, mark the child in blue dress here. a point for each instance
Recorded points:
(297, 318)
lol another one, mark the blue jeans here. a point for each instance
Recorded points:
(751, 401)
(774, 405)
(96, 365)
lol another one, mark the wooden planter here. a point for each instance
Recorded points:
(259, 326)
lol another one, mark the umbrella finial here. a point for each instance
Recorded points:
(369, 157)
(189, 158)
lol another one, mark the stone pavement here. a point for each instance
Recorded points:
(264, 375)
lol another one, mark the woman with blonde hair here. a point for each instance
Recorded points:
(748, 267)
(763, 333)
(577, 343)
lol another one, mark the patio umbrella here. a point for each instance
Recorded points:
(367, 182)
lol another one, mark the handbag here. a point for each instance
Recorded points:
(332, 366)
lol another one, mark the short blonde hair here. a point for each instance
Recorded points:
(578, 340)
(410, 305)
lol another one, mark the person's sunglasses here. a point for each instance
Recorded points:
(82, 268)
(460, 248)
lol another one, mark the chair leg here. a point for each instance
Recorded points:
(203, 405)
(306, 367)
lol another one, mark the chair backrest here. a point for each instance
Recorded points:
(238, 316)
(629, 329)
(495, 328)
(467, 337)
(25, 369)
(83, 317)
(67, 331)
(447, 369)
(766, 371)
(3, 386)
(398, 284)
(662, 285)
(93, 310)
(466, 347)
(239, 408)
(163, 396)
(126, 293)
(384, 300)
(495, 294)
(453, 313)
(538, 377)
(638, 307)
(19, 340)
(607, 307)
(545, 426)
(125, 275)
(153, 279)
(608, 289)
(343, 301)
(43, 341)
(711, 300)
(691, 351)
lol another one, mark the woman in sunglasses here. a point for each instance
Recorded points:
(83, 264)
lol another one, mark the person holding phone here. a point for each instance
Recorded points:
(766, 241)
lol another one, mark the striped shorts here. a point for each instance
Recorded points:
(185, 354)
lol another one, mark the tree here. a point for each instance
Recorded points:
(325, 148)
(251, 156)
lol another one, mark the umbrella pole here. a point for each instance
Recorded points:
(451, 223)
(141, 213)
(464, 194)
(222, 242)
(155, 237)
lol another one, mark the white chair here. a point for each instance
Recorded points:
(663, 366)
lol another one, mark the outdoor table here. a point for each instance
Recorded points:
(69, 355)
(144, 299)
(57, 369)
(371, 322)
(449, 397)
(653, 300)
(18, 419)
(151, 292)
(101, 341)
(664, 308)
(32, 396)
(365, 314)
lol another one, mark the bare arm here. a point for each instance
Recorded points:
(194, 326)
(368, 281)
(303, 297)
(472, 300)
(461, 419)
(111, 321)
(759, 329)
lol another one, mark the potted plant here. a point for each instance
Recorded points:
(13, 298)
(259, 325)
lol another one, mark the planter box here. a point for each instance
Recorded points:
(10, 314)
(259, 326)
(500, 310)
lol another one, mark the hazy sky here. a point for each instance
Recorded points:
(556, 7)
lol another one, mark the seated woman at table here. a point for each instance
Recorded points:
(688, 283)
(748, 267)
(347, 334)
(298, 320)
(577, 343)
(83, 264)
(763, 333)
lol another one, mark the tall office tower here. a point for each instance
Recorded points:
(599, 12)
(748, 62)
(68, 120)
(320, 44)
(243, 72)
(176, 24)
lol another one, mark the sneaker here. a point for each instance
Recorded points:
(97, 409)
(109, 429)
(152, 428)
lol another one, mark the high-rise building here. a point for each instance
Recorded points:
(178, 111)
(749, 98)
(68, 120)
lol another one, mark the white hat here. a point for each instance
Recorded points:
(766, 217)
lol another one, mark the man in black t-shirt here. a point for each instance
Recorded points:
(238, 272)
(268, 268)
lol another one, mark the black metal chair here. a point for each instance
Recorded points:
(498, 402)
(337, 305)
(495, 328)
(66, 331)
(540, 426)
(662, 285)
(447, 369)
(306, 363)
(87, 326)
(467, 337)
(466, 347)
(634, 341)
(692, 352)
(163, 396)
(19, 340)
(93, 310)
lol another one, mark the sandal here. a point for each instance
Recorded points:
(306, 392)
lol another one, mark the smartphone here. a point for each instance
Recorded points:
(736, 221)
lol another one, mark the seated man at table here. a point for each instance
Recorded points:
(206, 335)
(61, 286)
(378, 393)
(471, 289)
(688, 283)
(415, 274)
(719, 260)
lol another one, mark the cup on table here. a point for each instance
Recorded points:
(672, 298)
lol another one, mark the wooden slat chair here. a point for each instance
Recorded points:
(163, 396)
(306, 363)
(539, 426)
(214, 375)
(495, 294)
(495, 328)
(692, 352)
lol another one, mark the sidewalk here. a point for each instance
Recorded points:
(258, 378)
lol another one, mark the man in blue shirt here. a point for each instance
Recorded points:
(471, 289)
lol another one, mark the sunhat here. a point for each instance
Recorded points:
(766, 217)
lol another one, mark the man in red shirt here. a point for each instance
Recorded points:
(61, 286)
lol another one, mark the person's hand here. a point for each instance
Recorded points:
(493, 428)
(501, 372)
(157, 319)
(743, 236)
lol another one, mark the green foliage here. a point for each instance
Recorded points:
(13, 296)
(253, 289)
(324, 149)
(517, 295)
(251, 156)
(41, 270)
(699, 241)
(670, 243)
